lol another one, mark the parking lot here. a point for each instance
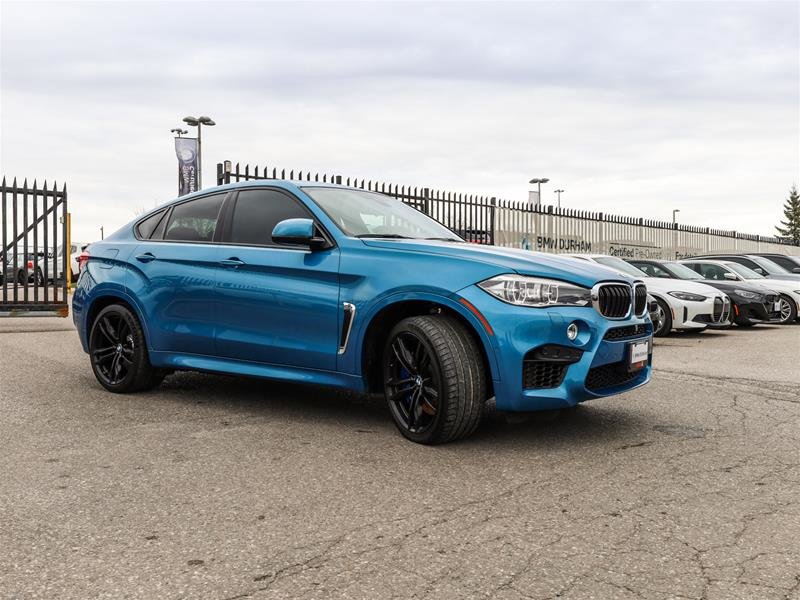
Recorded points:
(216, 487)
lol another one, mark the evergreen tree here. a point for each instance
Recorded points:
(791, 210)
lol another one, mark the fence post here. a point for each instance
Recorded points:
(492, 209)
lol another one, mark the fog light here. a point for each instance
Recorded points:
(572, 331)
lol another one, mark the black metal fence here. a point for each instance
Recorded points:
(489, 220)
(34, 255)
(472, 217)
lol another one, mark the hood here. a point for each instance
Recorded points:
(664, 285)
(730, 286)
(524, 262)
(779, 285)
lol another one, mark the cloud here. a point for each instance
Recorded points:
(633, 108)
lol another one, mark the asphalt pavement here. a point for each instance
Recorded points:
(216, 487)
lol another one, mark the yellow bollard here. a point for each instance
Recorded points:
(68, 248)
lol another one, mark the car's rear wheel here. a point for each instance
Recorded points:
(118, 352)
(788, 309)
(664, 325)
(434, 379)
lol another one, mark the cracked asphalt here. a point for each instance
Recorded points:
(219, 488)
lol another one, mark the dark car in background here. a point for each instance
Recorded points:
(18, 268)
(752, 303)
(760, 264)
(790, 263)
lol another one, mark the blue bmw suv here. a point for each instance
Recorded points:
(343, 287)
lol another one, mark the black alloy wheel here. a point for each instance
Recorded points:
(412, 383)
(118, 352)
(434, 379)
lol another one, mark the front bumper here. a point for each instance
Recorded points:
(712, 312)
(756, 311)
(602, 357)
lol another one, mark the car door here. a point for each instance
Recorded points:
(172, 275)
(275, 304)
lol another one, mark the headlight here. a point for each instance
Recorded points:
(746, 294)
(533, 291)
(687, 296)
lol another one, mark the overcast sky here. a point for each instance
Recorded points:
(632, 108)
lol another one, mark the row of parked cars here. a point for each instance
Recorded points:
(715, 290)
(21, 268)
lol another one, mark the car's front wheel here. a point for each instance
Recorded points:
(434, 379)
(118, 352)
(664, 324)
(788, 309)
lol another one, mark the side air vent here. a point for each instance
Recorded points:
(347, 325)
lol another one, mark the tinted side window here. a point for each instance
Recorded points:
(196, 220)
(784, 262)
(744, 261)
(714, 272)
(258, 211)
(146, 227)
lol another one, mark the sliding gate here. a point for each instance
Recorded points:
(35, 250)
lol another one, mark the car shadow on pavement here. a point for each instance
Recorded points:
(596, 422)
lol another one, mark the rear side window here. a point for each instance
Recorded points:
(194, 221)
(258, 211)
(145, 228)
(714, 272)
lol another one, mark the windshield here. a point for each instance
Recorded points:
(744, 272)
(682, 271)
(368, 214)
(770, 267)
(620, 265)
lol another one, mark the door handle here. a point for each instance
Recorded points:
(145, 258)
(231, 262)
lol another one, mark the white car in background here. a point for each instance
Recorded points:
(789, 291)
(682, 305)
(57, 267)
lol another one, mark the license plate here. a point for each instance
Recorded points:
(777, 307)
(638, 354)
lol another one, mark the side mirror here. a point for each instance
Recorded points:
(796, 270)
(760, 271)
(730, 276)
(297, 232)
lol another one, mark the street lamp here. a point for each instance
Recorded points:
(675, 212)
(559, 196)
(179, 132)
(199, 122)
(539, 182)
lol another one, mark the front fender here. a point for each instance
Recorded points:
(350, 361)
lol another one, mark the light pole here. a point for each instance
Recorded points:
(199, 122)
(675, 212)
(539, 182)
(559, 196)
(179, 132)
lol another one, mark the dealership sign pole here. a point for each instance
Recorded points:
(186, 150)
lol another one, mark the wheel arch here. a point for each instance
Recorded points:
(107, 298)
(382, 319)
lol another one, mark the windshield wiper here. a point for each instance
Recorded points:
(445, 239)
(395, 236)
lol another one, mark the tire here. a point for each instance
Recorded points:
(22, 279)
(118, 352)
(745, 324)
(788, 310)
(39, 277)
(434, 379)
(666, 319)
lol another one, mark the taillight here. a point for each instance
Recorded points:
(30, 265)
(82, 258)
